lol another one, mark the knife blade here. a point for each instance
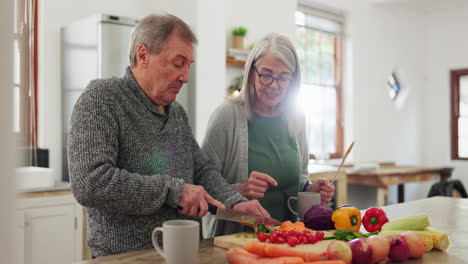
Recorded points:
(241, 217)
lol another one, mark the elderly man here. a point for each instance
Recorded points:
(132, 158)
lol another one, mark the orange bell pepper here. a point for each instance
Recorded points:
(348, 218)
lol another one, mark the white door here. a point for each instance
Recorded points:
(49, 235)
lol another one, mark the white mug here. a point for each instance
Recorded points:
(180, 240)
(305, 201)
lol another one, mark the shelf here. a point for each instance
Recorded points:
(234, 62)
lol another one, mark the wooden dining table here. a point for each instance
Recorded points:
(445, 213)
(383, 177)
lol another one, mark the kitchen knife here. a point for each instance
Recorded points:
(241, 217)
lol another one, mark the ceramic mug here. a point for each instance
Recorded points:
(180, 241)
(305, 201)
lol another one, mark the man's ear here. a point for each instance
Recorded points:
(142, 55)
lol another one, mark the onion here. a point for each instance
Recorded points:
(362, 252)
(318, 217)
(399, 250)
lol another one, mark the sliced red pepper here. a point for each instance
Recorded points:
(374, 219)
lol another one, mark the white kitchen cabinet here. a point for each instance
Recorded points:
(51, 230)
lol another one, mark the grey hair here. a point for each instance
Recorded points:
(281, 48)
(153, 32)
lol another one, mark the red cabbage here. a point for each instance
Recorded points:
(318, 217)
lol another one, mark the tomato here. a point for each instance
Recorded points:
(273, 237)
(284, 235)
(304, 240)
(280, 240)
(312, 239)
(262, 236)
(319, 235)
(293, 241)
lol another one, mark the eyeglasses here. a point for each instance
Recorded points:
(267, 80)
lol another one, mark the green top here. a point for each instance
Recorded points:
(274, 152)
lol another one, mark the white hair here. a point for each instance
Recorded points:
(281, 48)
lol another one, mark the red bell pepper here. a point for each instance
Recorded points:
(374, 219)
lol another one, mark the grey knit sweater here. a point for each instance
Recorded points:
(128, 164)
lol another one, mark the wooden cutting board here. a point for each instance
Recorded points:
(239, 240)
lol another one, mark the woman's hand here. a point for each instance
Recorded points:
(256, 185)
(324, 187)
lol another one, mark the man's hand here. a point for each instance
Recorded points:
(253, 207)
(195, 201)
(256, 185)
(324, 187)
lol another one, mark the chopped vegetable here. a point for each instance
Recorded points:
(415, 222)
(262, 228)
(289, 226)
(318, 217)
(348, 235)
(348, 218)
(374, 219)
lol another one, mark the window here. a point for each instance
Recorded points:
(459, 114)
(25, 72)
(319, 41)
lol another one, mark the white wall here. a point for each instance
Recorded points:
(55, 14)
(210, 62)
(209, 75)
(277, 17)
(446, 45)
(425, 39)
(7, 196)
(378, 37)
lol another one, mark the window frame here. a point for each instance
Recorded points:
(338, 76)
(455, 110)
(26, 34)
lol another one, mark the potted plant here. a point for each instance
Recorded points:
(238, 34)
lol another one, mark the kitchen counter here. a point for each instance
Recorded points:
(58, 186)
(446, 213)
(208, 254)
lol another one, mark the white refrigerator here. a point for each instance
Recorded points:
(97, 47)
(92, 47)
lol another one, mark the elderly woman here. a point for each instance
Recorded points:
(258, 140)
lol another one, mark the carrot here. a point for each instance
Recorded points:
(280, 260)
(240, 256)
(276, 251)
(256, 248)
(326, 262)
(291, 260)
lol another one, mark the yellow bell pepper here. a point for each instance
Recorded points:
(348, 218)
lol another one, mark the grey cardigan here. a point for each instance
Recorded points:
(226, 145)
(128, 165)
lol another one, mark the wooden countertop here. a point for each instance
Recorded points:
(445, 213)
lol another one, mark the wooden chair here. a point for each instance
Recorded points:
(341, 181)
